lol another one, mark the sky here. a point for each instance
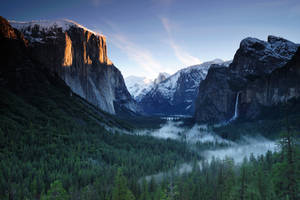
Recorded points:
(145, 37)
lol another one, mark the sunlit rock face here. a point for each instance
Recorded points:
(68, 56)
(79, 57)
(253, 65)
(6, 31)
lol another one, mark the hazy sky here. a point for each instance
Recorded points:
(146, 37)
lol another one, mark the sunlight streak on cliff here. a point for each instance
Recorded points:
(68, 54)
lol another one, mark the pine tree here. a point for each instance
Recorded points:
(120, 190)
(243, 181)
(88, 193)
(286, 174)
(163, 195)
(229, 177)
(252, 193)
(173, 193)
(145, 192)
(56, 192)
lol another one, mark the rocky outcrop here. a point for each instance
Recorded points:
(276, 88)
(176, 94)
(29, 91)
(254, 60)
(79, 57)
(160, 78)
(215, 101)
(6, 31)
(256, 57)
(14, 57)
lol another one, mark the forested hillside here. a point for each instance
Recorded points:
(56, 145)
(50, 135)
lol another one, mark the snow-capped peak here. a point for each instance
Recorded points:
(46, 25)
(195, 74)
(217, 61)
(275, 46)
(273, 39)
(137, 86)
(205, 66)
(161, 77)
(165, 84)
(282, 46)
(177, 93)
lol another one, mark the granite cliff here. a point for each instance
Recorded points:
(79, 57)
(278, 87)
(244, 82)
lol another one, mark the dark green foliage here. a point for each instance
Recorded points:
(121, 190)
(256, 178)
(144, 122)
(48, 135)
(286, 171)
(54, 145)
(270, 123)
(267, 128)
(56, 192)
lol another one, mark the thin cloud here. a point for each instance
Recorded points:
(140, 55)
(182, 55)
(167, 25)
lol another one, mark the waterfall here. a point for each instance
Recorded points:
(236, 108)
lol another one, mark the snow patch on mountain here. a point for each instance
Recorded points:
(275, 47)
(176, 94)
(47, 25)
(138, 86)
(168, 87)
(161, 77)
(39, 30)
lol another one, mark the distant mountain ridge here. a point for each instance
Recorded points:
(140, 86)
(176, 94)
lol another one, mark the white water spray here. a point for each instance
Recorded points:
(236, 108)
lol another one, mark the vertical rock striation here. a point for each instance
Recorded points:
(249, 73)
(79, 57)
(275, 88)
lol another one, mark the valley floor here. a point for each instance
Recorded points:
(47, 159)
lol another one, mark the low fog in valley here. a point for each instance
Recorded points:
(219, 148)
